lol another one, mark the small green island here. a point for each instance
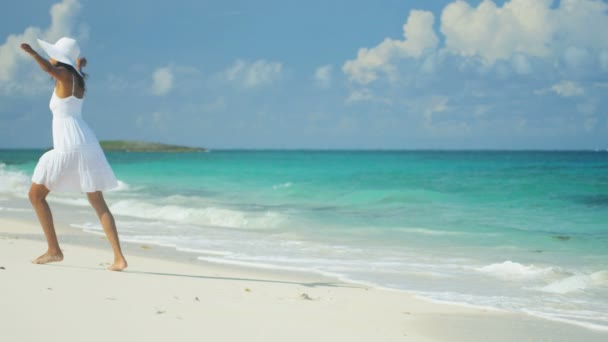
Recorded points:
(144, 146)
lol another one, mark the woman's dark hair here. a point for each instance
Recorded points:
(80, 79)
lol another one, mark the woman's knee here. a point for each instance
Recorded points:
(98, 202)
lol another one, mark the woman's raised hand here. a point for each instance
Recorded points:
(81, 62)
(27, 48)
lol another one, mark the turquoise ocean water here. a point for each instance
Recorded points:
(519, 231)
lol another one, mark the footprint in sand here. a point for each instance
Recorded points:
(305, 296)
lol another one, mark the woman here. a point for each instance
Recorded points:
(76, 163)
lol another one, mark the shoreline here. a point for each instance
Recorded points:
(295, 305)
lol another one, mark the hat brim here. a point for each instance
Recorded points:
(55, 54)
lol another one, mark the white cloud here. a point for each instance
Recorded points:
(491, 58)
(493, 33)
(532, 28)
(323, 76)
(62, 19)
(360, 95)
(419, 37)
(563, 88)
(13, 59)
(364, 94)
(519, 32)
(11, 54)
(162, 81)
(568, 89)
(579, 23)
(254, 74)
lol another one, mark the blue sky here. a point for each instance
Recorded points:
(518, 74)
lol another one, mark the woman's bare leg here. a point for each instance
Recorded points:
(107, 222)
(37, 196)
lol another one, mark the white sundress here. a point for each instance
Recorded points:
(76, 163)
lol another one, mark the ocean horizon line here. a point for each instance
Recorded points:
(306, 149)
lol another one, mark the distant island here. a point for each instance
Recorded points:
(144, 146)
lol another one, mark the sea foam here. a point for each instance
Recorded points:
(122, 186)
(577, 282)
(284, 185)
(514, 270)
(205, 216)
(13, 182)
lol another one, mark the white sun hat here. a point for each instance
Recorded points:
(65, 50)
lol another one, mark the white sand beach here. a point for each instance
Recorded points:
(164, 295)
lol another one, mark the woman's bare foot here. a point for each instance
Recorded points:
(48, 257)
(118, 265)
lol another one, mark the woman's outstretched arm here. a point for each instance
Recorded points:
(45, 65)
